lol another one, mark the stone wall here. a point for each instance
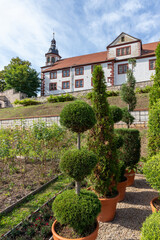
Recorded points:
(8, 97)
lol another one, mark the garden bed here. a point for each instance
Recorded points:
(15, 184)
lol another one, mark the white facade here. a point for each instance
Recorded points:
(118, 53)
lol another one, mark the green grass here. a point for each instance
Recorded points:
(8, 221)
(55, 108)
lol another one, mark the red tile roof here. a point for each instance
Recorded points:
(147, 50)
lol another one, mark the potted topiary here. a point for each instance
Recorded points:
(151, 227)
(129, 153)
(151, 170)
(101, 141)
(76, 211)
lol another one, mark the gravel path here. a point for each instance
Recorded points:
(130, 213)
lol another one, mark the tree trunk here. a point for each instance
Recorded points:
(78, 141)
(78, 187)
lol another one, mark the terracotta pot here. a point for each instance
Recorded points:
(92, 236)
(152, 206)
(108, 209)
(130, 176)
(121, 187)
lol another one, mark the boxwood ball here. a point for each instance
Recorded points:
(78, 116)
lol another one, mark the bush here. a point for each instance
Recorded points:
(61, 98)
(26, 102)
(116, 113)
(154, 129)
(89, 95)
(112, 93)
(127, 117)
(151, 170)
(130, 151)
(143, 90)
(151, 227)
(79, 211)
(78, 163)
(78, 116)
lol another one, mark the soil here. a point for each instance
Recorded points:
(68, 232)
(18, 179)
(156, 204)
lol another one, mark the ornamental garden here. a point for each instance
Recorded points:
(80, 168)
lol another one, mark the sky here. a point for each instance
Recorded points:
(80, 26)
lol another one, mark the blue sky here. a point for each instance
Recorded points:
(80, 26)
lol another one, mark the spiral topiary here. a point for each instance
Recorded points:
(77, 211)
(78, 163)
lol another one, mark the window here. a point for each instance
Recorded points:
(92, 67)
(66, 85)
(66, 73)
(122, 68)
(109, 66)
(122, 39)
(53, 60)
(79, 83)
(53, 75)
(79, 71)
(52, 86)
(109, 80)
(123, 51)
(152, 64)
(48, 59)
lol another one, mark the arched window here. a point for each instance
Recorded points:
(53, 60)
(48, 59)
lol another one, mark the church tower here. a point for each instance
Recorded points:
(52, 55)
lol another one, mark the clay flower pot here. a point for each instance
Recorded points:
(130, 176)
(108, 209)
(152, 205)
(92, 236)
(121, 187)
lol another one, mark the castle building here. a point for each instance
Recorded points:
(75, 74)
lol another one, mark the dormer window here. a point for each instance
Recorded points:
(123, 51)
(122, 39)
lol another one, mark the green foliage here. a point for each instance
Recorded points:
(78, 163)
(127, 117)
(109, 94)
(116, 113)
(129, 153)
(151, 170)
(2, 81)
(26, 102)
(101, 139)
(127, 90)
(154, 129)
(79, 211)
(62, 98)
(19, 75)
(78, 116)
(151, 227)
(146, 89)
(154, 95)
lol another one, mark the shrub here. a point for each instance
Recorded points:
(143, 90)
(101, 139)
(89, 95)
(26, 102)
(116, 113)
(78, 163)
(78, 116)
(112, 93)
(77, 211)
(154, 129)
(152, 171)
(130, 151)
(151, 227)
(61, 98)
(127, 117)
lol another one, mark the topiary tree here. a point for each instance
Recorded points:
(77, 209)
(154, 112)
(127, 117)
(151, 170)
(78, 117)
(116, 113)
(102, 140)
(151, 227)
